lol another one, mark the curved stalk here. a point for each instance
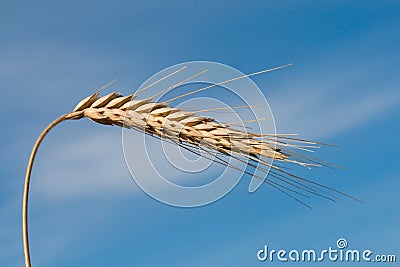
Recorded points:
(26, 188)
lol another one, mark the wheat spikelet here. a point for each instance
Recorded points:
(189, 130)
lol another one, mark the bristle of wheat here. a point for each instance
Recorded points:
(189, 130)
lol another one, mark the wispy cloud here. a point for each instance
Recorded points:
(330, 100)
(94, 163)
(90, 164)
(324, 115)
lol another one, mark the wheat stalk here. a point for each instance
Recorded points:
(189, 130)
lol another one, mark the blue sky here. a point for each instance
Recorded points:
(85, 210)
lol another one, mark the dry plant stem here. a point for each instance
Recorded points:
(26, 189)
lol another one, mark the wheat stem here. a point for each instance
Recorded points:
(26, 188)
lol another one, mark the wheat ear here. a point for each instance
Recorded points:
(188, 130)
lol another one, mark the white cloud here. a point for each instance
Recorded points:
(331, 100)
(323, 116)
(91, 163)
